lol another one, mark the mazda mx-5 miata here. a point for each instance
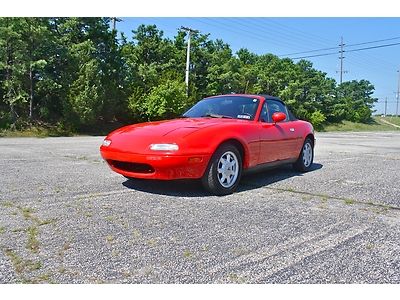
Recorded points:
(216, 140)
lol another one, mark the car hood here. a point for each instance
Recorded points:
(138, 137)
(163, 128)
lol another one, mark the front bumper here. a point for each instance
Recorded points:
(161, 166)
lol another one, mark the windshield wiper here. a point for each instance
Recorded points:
(216, 116)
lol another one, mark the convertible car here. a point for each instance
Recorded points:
(216, 141)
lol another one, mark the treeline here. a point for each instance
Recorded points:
(79, 73)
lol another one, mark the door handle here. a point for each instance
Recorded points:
(291, 129)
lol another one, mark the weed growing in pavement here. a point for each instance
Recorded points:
(151, 242)
(110, 218)
(235, 278)
(7, 204)
(187, 254)
(110, 238)
(324, 199)
(33, 243)
(136, 234)
(369, 246)
(21, 265)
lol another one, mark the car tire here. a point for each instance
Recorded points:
(224, 170)
(306, 157)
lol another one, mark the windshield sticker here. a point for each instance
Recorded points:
(254, 100)
(243, 117)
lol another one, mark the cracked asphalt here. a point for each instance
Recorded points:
(67, 218)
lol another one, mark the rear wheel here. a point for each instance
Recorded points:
(224, 170)
(306, 157)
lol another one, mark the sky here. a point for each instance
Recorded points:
(282, 36)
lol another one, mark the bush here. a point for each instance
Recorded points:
(317, 118)
(166, 101)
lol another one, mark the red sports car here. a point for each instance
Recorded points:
(216, 140)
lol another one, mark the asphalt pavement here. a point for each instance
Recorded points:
(67, 218)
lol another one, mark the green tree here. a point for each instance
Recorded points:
(355, 101)
(167, 100)
(13, 66)
(78, 72)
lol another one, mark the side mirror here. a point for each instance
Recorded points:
(278, 117)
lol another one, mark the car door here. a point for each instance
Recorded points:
(278, 141)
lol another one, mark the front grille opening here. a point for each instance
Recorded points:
(131, 167)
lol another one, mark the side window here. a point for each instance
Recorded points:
(291, 115)
(276, 106)
(264, 113)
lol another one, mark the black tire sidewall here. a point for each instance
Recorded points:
(299, 165)
(210, 179)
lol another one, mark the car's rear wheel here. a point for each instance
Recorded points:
(224, 170)
(306, 157)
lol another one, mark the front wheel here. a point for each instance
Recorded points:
(224, 171)
(306, 157)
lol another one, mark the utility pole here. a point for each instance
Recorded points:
(385, 106)
(398, 95)
(115, 20)
(189, 32)
(341, 59)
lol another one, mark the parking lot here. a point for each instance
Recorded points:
(67, 218)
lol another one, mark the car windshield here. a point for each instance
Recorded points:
(233, 107)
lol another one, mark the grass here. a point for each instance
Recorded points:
(43, 278)
(349, 201)
(41, 130)
(33, 242)
(110, 218)
(7, 204)
(374, 125)
(110, 238)
(36, 131)
(234, 278)
(27, 213)
(26, 128)
(151, 242)
(33, 231)
(46, 222)
(21, 265)
(369, 246)
(2, 230)
(394, 120)
(66, 246)
(324, 199)
(187, 254)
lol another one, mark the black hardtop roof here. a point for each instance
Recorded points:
(267, 97)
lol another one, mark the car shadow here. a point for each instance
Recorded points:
(267, 177)
(193, 188)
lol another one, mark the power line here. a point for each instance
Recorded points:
(296, 32)
(353, 50)
(373, 47)
(372, 42)
(309, 51)
(332, 48)
(283, 36)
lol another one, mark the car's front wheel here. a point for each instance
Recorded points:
(224, 170)
(306, 157)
